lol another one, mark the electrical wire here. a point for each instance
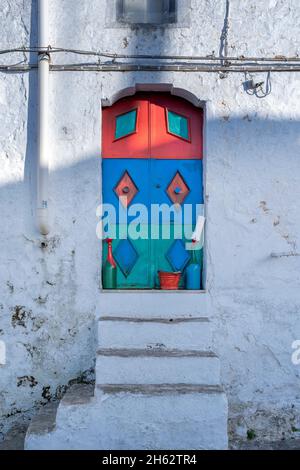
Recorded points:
(209, 63)
(112, 55)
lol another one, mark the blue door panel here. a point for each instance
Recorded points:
(139, 171)
(152, 179)
(163, 172)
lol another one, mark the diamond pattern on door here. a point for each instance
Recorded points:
(152, 154)
(177, 256)
(126, 256)
(126, 189)
(178, 190)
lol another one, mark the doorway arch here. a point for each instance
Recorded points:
(153, 88)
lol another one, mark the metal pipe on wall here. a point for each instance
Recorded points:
(132, 67)
(43, 120)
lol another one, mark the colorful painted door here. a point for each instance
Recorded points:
(152, 154)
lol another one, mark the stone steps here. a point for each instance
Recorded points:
(44, 422)
(154, 303)
(156, 366)
(154, 332)
(78, 394)
(157, 387)
(168, 416)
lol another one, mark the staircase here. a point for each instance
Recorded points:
(157, 387)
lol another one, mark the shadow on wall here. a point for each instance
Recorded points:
(244, 155)
(49, 289)
(30, 171)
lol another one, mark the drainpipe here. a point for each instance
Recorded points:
(43, 106)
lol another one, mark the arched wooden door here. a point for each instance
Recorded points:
(152, 150)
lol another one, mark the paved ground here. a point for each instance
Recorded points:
(288, 444)
(15, 441)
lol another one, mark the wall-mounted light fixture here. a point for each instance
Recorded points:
(256, 86)
(253, 84)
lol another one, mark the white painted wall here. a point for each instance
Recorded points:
(50, 297)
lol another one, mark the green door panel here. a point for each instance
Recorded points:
(139, 260)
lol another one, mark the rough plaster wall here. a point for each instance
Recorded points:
(49, 295)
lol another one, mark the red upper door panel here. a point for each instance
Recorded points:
(122, 137)
(152, 125)
(176, 128)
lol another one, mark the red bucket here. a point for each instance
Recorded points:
(169, 281)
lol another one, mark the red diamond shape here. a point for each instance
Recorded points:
(126, 189)
(178, 190)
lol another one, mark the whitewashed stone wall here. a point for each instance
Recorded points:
(49, 289)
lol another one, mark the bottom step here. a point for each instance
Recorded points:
(136, 417)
